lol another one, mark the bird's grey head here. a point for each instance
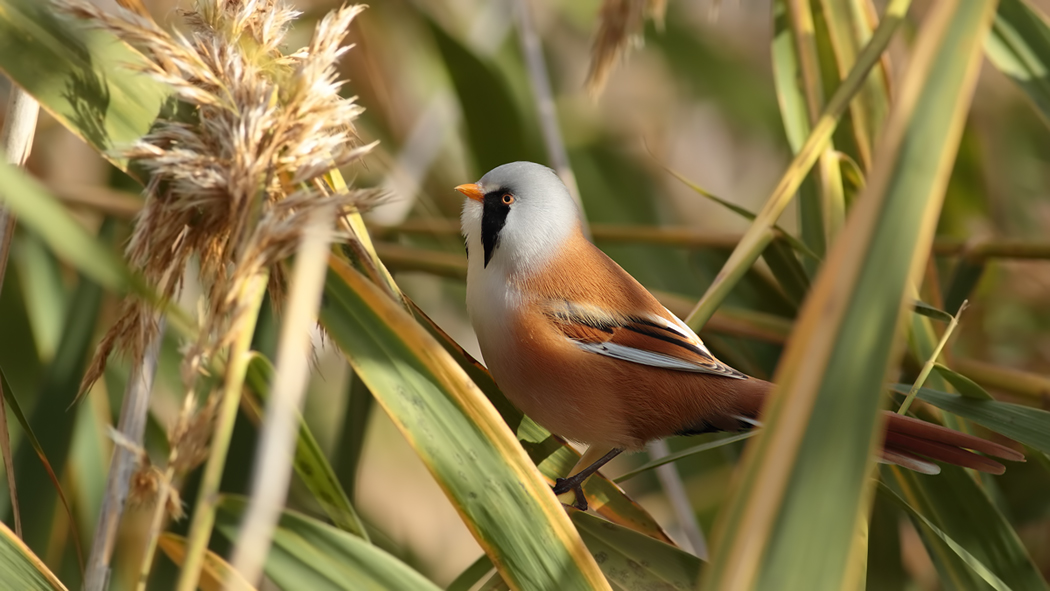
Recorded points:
(517, 216)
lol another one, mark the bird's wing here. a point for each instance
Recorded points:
(646, 339)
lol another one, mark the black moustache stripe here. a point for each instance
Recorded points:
(493, 218)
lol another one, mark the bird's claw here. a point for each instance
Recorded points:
(564, 485)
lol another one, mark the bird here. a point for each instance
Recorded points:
(581, 347)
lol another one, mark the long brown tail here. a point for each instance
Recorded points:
(909, 442)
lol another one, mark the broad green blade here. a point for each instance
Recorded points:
(634, 561)
(1019, 45)
(791, 523)
(46, 296)
(1027, 425)
(496, 132)
(310, 463)
(309, 554)
(36, 208)
(464, 443)
(80, 76)
(217, 574)
(353, 428)
(20, 568)
(885, 565)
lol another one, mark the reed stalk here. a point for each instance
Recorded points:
(928, 367)
(272, 470)
(243, 328)
(539, 80)
(125, 459)
(976, 249)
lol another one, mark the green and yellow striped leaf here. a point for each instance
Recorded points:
(459, 436)
(804, 482)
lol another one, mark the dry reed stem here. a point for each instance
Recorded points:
(225, 415)
(541, 90)
(126, 458)
(271, 473)
(16, 141)
(674, 488)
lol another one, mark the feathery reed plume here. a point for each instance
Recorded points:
(236, 167)
(233, 175)
(619, 27)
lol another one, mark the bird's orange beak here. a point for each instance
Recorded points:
(471, 190)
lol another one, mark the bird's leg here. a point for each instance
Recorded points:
(575, 482)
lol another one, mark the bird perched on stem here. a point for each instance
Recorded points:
(583, 349)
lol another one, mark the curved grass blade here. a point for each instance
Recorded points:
(634, 561)
(308, 554)
(309, 461)
(216, 574)
(30, 437)
(1019, 45)
(965, 276)
(20, 568)
(458, 436)
(792, 523)
(472, 574)
(57, 390)
(1027, 425)
(760, 233)
(958, 506)
(930, 529)
(931, 312)
(795, 243)
(963, 384)
(685, 453)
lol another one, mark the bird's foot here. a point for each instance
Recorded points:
(564, 485)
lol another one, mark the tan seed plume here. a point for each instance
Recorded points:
(236, 164)
(619, 27)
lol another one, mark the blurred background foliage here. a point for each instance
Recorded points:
(447, 92)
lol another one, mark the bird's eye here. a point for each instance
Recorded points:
(507, 199)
